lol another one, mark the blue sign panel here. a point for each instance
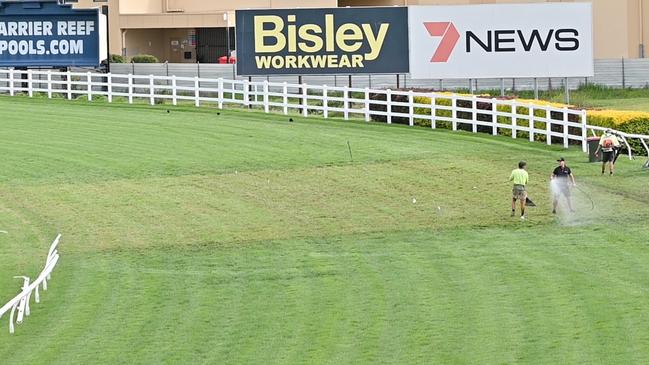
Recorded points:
(47, 34)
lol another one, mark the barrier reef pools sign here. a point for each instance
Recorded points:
(503, 40)
(322, 41)
(48, 34)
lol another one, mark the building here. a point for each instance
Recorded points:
(197, 30)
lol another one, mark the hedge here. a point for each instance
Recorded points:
(523, 112)
(144, 58)
(634, 122)
(115, 58)
(626, 121)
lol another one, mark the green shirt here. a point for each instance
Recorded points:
(519, 177)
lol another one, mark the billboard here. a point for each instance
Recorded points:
(501, 40)
(322, 41)
(51, 35)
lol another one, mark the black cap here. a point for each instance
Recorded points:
(561, 159)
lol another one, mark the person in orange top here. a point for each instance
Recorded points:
(608, 145)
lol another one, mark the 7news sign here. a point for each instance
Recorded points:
(494, 41)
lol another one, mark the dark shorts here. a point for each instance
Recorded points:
(608, 156)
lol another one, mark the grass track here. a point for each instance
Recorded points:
(242, 238)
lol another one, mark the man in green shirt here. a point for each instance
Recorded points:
(520, 178)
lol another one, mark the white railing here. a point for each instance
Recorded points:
(618, 72)
(21, 301)
(519, 119)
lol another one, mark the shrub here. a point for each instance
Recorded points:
(395, 108)
(634, 122)
(522, 113)
(614, 118)
(636, 126)
(438, 112)
(625, 121)
(144, 58)
(115, 58)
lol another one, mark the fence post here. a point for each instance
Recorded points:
(285, 97)
(623, 74)
(474, 114)
(197, 92)
(325, 102)
(514, 119)
(346, 102)
(531, 121)
(411, 108)
(69, 85)
(454, 111)
(30, 85)
(151, 91)
(174, 91)
(246, 96)
(388, 105)
(433, 112)
(565, 127)
(266, 106)
(11, 82)
(305, 101)
(584, 131)
(130, 88)
(548, 126)
(494, 116)
(220, 93)
(22, 303)
(367, 104)
(49, 84)
(109, 82)
(89, 85)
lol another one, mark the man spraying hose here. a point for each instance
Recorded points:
(561, 180)
(520, 178)
(609, 145)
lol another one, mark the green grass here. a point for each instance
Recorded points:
(598, 97)
(191, 237)
(590, 97)
(641, 104)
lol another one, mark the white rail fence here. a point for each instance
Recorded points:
(548, 124)
(20, 302)
(617, 73)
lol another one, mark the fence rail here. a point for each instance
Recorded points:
(616, 73)
(619, 72)
(20, 302)
(547, 124)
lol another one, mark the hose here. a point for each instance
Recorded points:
(592, 203)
